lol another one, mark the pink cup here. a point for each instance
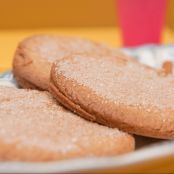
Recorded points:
(141, 21)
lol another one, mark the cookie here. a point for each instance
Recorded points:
(118, 93)
(35, 55)
(36, 128)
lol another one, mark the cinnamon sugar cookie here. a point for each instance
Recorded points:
(33, 127)
(118, 93)
(35, 55)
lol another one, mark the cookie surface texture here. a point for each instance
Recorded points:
(34, 127)
(118, 93)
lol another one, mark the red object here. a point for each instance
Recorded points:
(141, 21)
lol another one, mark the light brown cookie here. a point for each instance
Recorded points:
(35, 55)
(34, 127)
(124, 94)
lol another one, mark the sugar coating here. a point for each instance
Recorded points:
(128, 83)
(51, 48)
(32, 118)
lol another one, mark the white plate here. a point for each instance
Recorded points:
(147, 149)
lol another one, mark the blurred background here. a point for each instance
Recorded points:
(115, 22)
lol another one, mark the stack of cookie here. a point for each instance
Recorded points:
(81, 98)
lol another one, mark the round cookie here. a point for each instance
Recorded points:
(36, 128)
(35, 55)
(118, 93)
